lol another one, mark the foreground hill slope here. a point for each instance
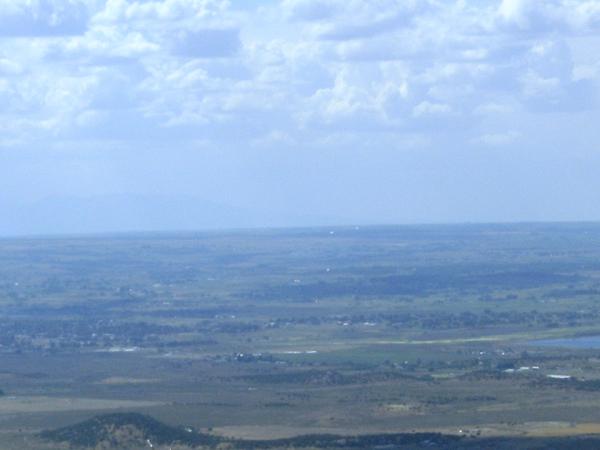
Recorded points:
(135, 431)
(125, 430)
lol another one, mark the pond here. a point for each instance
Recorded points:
(581, 342)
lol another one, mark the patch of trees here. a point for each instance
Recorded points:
(421, 282)
(433, 320)
(333, 377)
(568, 383)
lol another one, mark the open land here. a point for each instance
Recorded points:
(273, 334)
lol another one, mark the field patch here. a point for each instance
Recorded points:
(33, 404)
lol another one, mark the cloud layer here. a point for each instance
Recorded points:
(68, 66)
(304, 77)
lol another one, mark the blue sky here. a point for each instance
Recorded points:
(370, 111)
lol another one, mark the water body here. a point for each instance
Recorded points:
(582, 342)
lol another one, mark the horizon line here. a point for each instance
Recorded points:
(283, 228)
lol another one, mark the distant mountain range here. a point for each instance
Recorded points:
(131, 213)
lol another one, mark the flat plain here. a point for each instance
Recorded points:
(271, 334)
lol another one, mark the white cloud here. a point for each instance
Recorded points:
(119, 11)
(306, 68)
(9, 67)
(550, 15)
(309, 10)
(427, 108)
(494, 108)
(207, 43)
(277, 138)
(44, 17)
(497, 139)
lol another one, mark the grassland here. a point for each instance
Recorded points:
(272, 334)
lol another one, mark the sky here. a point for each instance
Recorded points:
(297, 112)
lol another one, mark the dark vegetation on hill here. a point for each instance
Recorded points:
(124, 429)
(129, 430)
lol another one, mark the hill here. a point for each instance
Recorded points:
(132, 430)
(127, 430)
(135, 431)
